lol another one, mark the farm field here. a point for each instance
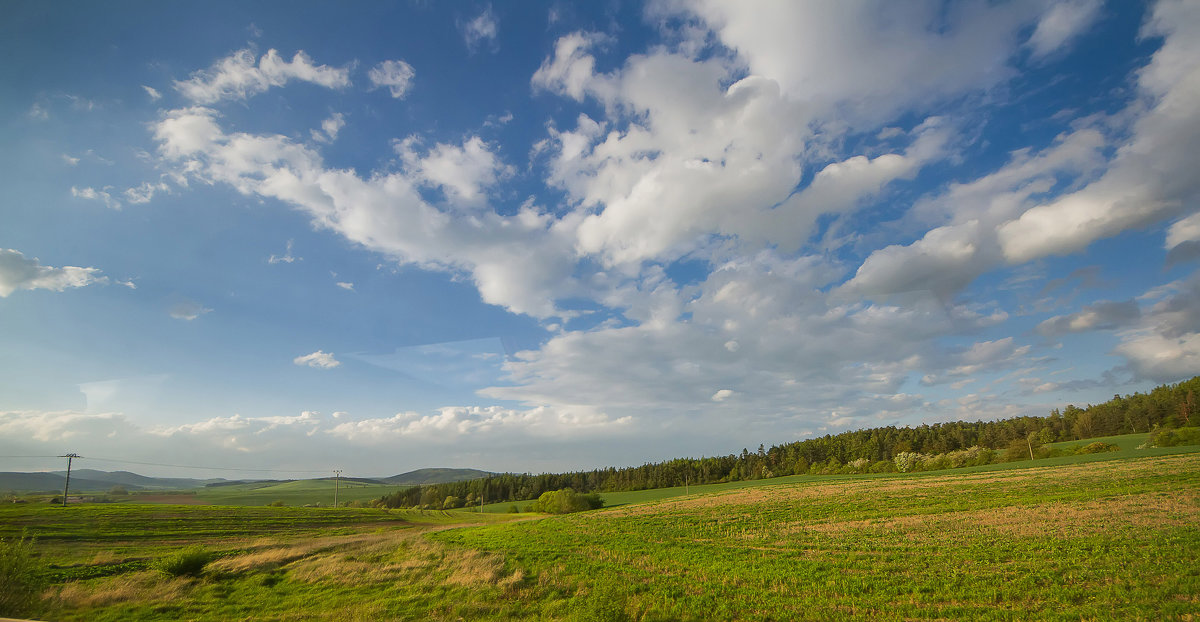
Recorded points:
(1114, 539)
(300, 492)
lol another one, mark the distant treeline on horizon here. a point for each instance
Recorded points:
(940, 445)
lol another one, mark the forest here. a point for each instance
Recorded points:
(886, 449)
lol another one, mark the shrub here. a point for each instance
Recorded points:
(22, 576)
(1167, 437)
(1097, 448)
(883, 466)
(278, 503)
(184, 562)
(512, 509)
(907, 461)
(566, 501)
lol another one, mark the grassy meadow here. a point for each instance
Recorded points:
(1111, 539)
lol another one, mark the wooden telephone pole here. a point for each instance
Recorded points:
(337, 476)
(67, 486)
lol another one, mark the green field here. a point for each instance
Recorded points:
(1112, 539)
(1128, 443)
(300, 492)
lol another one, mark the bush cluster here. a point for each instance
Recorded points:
(1167, 437)
(566, 501)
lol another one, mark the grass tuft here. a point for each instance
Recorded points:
(187, 562)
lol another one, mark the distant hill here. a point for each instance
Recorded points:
(91, 480)
(434, 476)
(50, 482)
(127, 479)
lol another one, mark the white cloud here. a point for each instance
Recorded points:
(70, 160)
(516, 261)
(396, 75)
(1151, 174)
(286, 257)
(462, 172)
(482, 30)
(62, 425)
(870, 60)
(1164, 346)
(1099, 316)
(145, 192)
(318, 360)
(1183, 231)
(570, 72)
(1063, 22)
(722, 395)
(238, 76)
(152, 92)
(188, 310)
(93, 194)
(19, 272)
(453, 423)
(346, 285)
(38, 111)
(330, 128)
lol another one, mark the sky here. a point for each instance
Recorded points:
(280, 238)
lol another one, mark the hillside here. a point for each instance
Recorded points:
(425, 477)
(92, 480)
(50, 482)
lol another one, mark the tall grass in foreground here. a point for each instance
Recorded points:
(22, 578)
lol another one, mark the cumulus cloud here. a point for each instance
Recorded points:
(515, 261)
(395, 75)
(462, 172)
(749, 162)
(482, 30)
(872, 59)
(330, 128)
(1150, 175)
(239, 76)
(20, 272)
(318, 360)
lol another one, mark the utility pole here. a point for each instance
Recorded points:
(337, 476)
(685, 485)
(67, 486)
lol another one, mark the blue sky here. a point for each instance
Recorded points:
(545, 236)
